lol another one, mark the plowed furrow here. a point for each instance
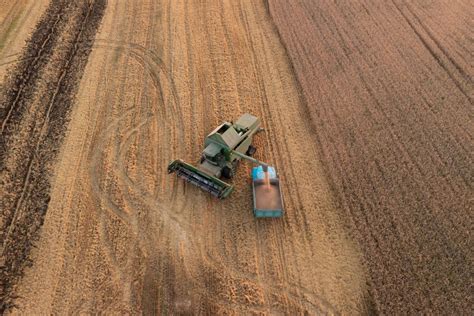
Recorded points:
(38, 98)
(389, 92)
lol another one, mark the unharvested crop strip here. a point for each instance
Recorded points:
(433, 53)
(24, 203)
(392, 145)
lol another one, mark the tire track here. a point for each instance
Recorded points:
(291, 290)
(384, 110)
(287, 173)
(40, 150)
(151, 298)
(16, 21)
(122, 280)
(44, 51)
(42, 132)
(436, 57)
(162, 206)
(155, 244)
(139, 54)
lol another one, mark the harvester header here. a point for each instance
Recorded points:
(211, 184)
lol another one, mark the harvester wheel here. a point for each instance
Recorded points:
(251, 151)
(227, 172)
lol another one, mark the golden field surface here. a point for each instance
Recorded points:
(98, 97)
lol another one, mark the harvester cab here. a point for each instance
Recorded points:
(224, 147)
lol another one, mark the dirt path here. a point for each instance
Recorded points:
(121, 235)
(389, 91)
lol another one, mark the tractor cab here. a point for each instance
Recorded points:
(213, 153)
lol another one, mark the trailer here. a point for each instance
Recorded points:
(267, 198)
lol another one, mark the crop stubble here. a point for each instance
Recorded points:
(389, 91)
(35, 102)
(121, 235)
(17, 21)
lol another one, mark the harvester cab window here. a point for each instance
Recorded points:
(223, 128)
(211, 152)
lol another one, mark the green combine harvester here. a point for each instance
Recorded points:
(223, 150)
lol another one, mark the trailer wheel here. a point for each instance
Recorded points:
(227, 172)
(251, 151)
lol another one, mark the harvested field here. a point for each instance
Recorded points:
(366, 109)
(35, 102)
(120, 235)
(389, 91)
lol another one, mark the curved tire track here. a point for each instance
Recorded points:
(174, 223)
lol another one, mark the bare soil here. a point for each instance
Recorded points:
(120, 235)
(388, 88)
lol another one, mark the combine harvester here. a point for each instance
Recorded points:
(223, 149)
